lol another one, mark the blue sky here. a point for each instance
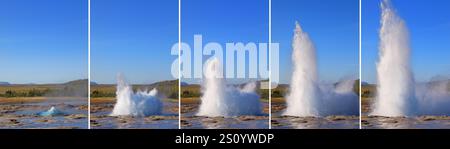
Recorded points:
(333, 27)
(224, 21)
(48, 38)
(429, 27)
(133, 37)
(43, 41)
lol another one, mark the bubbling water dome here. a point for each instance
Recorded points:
(221, 100)
(395, 79)
(141, 103)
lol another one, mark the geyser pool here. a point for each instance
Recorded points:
(140, 103)
(221, 100)
(306, 96)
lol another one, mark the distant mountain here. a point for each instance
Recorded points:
(184, 84)
(5, 83)
(166, 82)
(77, 88)
(77, 82)
(364, 83)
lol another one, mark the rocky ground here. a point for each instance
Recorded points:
(329, 122)
(190, 121)
(23, 114)
(416, 122)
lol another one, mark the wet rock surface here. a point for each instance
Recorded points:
(280, 121)
(415, 122)
(190, 121)
(24, 115)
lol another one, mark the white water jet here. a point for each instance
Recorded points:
(395, 90)
(141, 103)
(309, 98)
(221, 100)
(304, 97)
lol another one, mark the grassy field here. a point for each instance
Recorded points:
(77, 88)
(25, 90)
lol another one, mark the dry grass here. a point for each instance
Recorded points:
(10, 100)
(278, 100)
(189, 100)
(103, 100)
(104, 88)
(26, 88)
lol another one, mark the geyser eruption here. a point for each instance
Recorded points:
(141, 103)
(303, 99)
(395, 79)
(307, 97)
(221, 100)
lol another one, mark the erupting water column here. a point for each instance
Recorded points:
(221, 100)
(395, 79)
(303, 99)
(213, 102)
